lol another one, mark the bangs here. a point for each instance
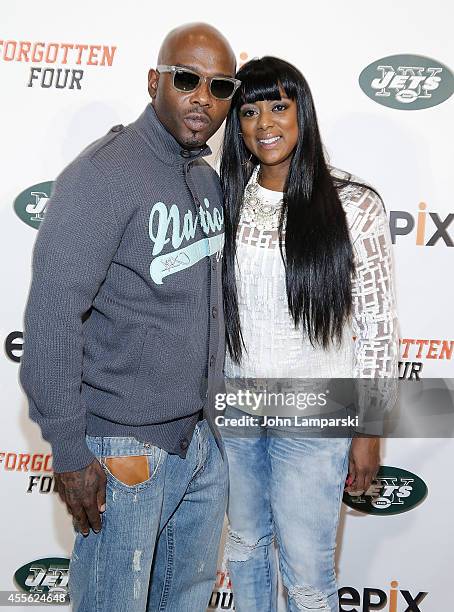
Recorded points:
(262, 81)
(256, 88)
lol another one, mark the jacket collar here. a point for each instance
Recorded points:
(164, 145)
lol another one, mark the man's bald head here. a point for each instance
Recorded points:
(194, 35)
(192, 117)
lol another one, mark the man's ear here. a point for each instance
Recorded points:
(153, 80)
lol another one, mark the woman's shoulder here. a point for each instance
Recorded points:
(358, 197)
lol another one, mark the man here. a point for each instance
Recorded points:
(124, 341)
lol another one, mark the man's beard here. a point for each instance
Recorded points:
(194, 140)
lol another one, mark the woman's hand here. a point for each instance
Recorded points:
(364, 463)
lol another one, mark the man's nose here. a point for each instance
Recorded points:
(202, 95)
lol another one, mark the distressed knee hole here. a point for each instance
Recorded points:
(136, 560)
(308, 598)
(137, 568)
(237, 548)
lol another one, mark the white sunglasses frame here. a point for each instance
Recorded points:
(173, 69)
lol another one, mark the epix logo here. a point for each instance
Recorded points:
(396, 600)
(429, 228)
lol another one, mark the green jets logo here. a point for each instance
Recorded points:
(393, 491)
(30, 205)
(49, 575)
(407, 82)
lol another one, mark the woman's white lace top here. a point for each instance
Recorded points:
(275, 349)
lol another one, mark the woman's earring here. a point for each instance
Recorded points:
(245, 163)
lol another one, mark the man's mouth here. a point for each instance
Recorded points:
(196, 121)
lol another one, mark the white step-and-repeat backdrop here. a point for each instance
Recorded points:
(379, 72)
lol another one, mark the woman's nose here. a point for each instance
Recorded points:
(265, 121)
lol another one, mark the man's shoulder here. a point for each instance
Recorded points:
(102, 158)
(113, 147)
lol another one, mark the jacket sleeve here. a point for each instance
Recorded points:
(374, 321)
(73, 251)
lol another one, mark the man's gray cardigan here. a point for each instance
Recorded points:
(124, 329)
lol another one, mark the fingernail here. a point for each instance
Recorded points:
(96, 530)
(103, 508)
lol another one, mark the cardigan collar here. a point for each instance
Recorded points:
(165, 146)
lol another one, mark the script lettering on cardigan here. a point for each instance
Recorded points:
(165, 225)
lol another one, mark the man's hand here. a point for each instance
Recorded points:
(364, 463)
(84, 493)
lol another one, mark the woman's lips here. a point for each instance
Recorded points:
(196, 121)
(269, 143)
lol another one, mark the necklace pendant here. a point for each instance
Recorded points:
(256, 211)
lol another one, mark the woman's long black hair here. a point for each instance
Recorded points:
(318, 254)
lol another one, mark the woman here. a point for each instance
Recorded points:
(307, 266)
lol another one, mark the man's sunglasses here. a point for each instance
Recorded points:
(184, 79)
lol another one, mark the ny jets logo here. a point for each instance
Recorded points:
(31, 204)
(393, 491)
(385, 492)
(37, 208)
(407, 82)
